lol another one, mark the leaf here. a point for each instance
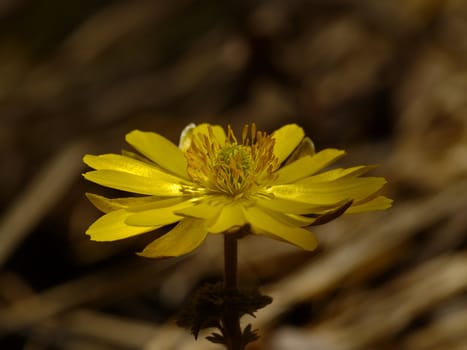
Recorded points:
(249, 335)
(216, 338)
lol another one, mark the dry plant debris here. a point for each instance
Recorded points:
(384, 78)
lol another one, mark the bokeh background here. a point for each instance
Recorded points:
(384, 79)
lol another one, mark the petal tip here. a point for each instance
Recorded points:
(87, 158)
(133, 134)
(153, 257)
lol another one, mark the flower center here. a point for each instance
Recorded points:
(231, 167)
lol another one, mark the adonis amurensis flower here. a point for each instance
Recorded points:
(214, 182)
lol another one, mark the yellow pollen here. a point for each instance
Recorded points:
(232, 168)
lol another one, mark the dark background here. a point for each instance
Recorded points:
(384, 79)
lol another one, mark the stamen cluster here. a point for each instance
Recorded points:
(231, 167)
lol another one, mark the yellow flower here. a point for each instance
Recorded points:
(215, 183)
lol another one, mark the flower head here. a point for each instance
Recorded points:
(217, 183)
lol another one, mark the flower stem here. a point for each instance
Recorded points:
(231, 318)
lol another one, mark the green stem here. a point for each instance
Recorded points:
(231, 318)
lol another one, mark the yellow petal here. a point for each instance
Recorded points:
(230, 216)
(305, 148)
(378, 203)
(315, 217)
(332, 214)
(307, 166)
(112, 226)
(186, 136)
(124, 164)
(205, 209)
(339, 173)
(286, 139)
(156, 186)
(137, 156)
(129, 165)
(109, 204)
(332, 192)
(132, 204)
(159, 150)
(292, 207)
(271, 225)
(182, 239)
(158, 216)
(297, 220)
(217, 130)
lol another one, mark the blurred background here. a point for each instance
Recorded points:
(384, 79)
